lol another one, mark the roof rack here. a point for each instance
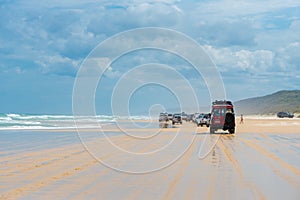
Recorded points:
(222, 102)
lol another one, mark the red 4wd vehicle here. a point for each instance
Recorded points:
(222, 116)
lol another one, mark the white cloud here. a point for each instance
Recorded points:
(233, 8)
(226, 33)
(123, 16)
(259, 66)
(94, 66)
(19, 70)
(280, 37)
(288, 57)
(58, 65)
(245, 60)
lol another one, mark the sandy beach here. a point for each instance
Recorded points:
(260, 161)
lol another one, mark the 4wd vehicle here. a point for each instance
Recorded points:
(195, 115)
(183, 116)
(222, 116)
(203, 119)
(163, 120)
(176, 119)
(170, 116)
(284, 114)
(189, 117)
(163, 117)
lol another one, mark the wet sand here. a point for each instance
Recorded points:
(260, 161)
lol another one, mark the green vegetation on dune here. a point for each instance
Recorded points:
(285, 100)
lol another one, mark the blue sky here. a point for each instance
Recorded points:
(254, 44)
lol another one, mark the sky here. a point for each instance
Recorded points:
(254, 44)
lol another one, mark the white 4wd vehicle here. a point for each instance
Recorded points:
(203, 119)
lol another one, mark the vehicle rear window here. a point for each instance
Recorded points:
(219, 111)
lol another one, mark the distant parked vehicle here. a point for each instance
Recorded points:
(170, 116)
(198, 118)
(195, 115)
(183, 116)
(163, 120)
(176, 119)
(189, 117)
(285, 114)
(203, 119)
(163, 117)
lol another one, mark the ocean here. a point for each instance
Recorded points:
(21, 133)
(31, 121)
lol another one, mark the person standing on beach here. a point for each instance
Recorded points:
(242, 119)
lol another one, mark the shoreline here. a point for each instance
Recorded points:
(262, 121)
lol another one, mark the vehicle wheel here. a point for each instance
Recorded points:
(173, 123)
(207, 125)
(231, 131)
(198, 125)
(201, 125)
(180, 122)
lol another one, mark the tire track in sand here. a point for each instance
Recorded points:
(207, 165)
(235, 164)
(32, 187)
(213, 180)
(80, 191)
(185, 163)
(135, 194)
(30, 160)
(19, 192)
(275, 158)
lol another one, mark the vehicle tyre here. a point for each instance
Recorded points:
(231, 131)
(207, 125)
(229, 119)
